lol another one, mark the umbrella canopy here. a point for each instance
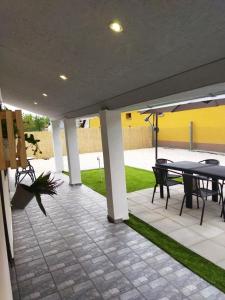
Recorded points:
(180, 106)
(186, 105)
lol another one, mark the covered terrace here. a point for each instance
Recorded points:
(69, 60)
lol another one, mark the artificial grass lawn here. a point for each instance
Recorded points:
(137, 179)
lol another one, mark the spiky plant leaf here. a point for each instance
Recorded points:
(38, 198)
(43, 185)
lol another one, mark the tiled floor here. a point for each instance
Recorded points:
(74, 253)
(207, 240)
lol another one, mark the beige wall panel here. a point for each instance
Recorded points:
(90, 140)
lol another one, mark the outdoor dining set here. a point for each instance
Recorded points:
(203, 180)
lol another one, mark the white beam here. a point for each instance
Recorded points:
(72, 151)
(112, 144)
(57, 147)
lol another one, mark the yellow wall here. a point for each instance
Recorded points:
(208, 125)
(136, 120)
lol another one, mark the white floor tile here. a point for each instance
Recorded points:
(206, 230)
(186, 237)
(210, 250)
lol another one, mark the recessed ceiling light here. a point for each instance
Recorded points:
(63, 77)
(35, 103)
(45, 95)
(116, 26)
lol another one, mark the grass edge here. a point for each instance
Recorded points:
(208, 264)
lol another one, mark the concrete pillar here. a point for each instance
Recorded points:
(72, 151)
(57, 147)
(112, 145)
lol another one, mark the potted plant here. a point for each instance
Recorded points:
(32, 143)
(42, 185)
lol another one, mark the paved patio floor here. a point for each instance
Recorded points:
(75, 253)
(207, 240)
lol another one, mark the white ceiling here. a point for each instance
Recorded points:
(162, 40)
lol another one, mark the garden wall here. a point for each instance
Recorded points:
(90, 140)
(208, 129)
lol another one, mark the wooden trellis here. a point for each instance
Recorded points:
(12, 141)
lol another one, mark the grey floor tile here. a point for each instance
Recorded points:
(60, 260)
(37, 288)
(112, 284)
(131, 295)
(87, 251)
(31, 269)
(85, 290)
(55, 296)
(98, 266)
(69, 276)
(27, 255)
(160, 290)
(54, 247)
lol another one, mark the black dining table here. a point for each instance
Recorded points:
(216, 172)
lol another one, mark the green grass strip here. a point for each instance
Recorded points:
(196, 263)
(136, 179)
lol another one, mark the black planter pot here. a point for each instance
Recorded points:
(21, 197)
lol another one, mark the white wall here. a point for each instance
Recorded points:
(5, 283)
(8, 211)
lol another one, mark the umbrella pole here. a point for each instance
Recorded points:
(156, 136)
(156, 150)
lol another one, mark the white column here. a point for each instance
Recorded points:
(112, 144)
(57, 147)
(72, 151)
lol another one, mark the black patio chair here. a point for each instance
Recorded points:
(210, 161)
(161, 178)
(215, 162)
(170, 175)
(200, 189)
(163, 161)
(27, 171)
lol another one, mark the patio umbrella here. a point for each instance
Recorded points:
(180, 106)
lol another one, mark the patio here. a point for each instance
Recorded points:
(75, 253)
(207, 240)
(65, 62)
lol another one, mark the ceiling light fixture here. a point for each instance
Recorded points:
(116, 26)
(45, 95)
(63, 77)
(35, 103)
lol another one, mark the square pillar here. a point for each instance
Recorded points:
(72, 151)
(57, 147)
(112, 145)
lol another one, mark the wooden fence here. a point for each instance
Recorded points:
(12, 142)
(90, 140)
